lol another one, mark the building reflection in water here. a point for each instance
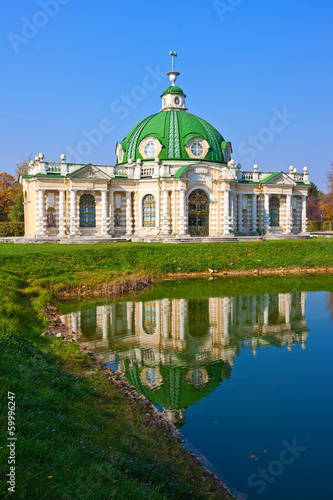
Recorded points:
(177, 351)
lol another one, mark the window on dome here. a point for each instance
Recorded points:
(149, 211)
(197, 149)
(150, 150)
(120, 154)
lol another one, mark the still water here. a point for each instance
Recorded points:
(246, 377)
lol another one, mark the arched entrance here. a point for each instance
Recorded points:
(87, 211)
(198, 213)
(274, 211)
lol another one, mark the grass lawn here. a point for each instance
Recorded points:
(77, 437)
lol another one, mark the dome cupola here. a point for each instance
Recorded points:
(173, 133)
(173, 97)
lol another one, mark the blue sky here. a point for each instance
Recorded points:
(78, 74)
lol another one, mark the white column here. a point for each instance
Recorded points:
(287, 307)
(111, 211)
(165, 318)
(73, 218)
(62, 215)
(254, 214)
(303, 300)
(182, 211)
(288, 213)
(128, 213)
(41, 212)
(304, 220)
(225, 315)
(266, 216)
(129, 317)
(105, 327)
(240, 213)
(266, 309)
(166, 215)
(254, 309)
(74, 322)
(232, 211)
(105, 219)
(181, 312)
(226, 229)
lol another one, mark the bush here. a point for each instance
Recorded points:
(11, 229)
(319, 225)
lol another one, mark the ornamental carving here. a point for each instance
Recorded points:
(204, 177)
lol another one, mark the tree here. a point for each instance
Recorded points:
(6, 194)
(313, 190)
(327, 206)
(17, 210)
(313, 208)
(330, 179)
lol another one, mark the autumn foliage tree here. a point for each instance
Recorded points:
(327, 200)
(6, 195)
(17, 210)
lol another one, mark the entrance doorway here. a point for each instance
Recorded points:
(198, 213)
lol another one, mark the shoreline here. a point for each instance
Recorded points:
(58, 329)
(138, 283)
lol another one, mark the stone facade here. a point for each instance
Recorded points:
(173, 178)
(239, 203)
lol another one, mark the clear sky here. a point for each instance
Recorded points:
(78, 74)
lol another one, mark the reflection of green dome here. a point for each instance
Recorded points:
(173, 129)
(176, 392)
(173, 89)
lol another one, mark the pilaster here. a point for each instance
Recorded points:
(266, 216)
(41, 213)
(288, 213)
(166, 211)
(240, 212)
(62, 213)
(105, 219)
(73, 211)
(129, 213)
(181, 210)
(304, 219)
(254, 214)
(226, 229)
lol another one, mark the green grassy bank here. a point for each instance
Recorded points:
(77, 436)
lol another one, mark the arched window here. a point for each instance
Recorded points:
(149, 211)
(274, 211)
(87, 211)
(149, 317)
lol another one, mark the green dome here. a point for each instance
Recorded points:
(173, 129)
(173, 89)
(176, 392)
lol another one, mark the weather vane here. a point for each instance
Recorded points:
(173, 54)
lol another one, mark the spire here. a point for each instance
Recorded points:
(173, 98)
(173, 74)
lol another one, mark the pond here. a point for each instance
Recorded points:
(243, 368)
